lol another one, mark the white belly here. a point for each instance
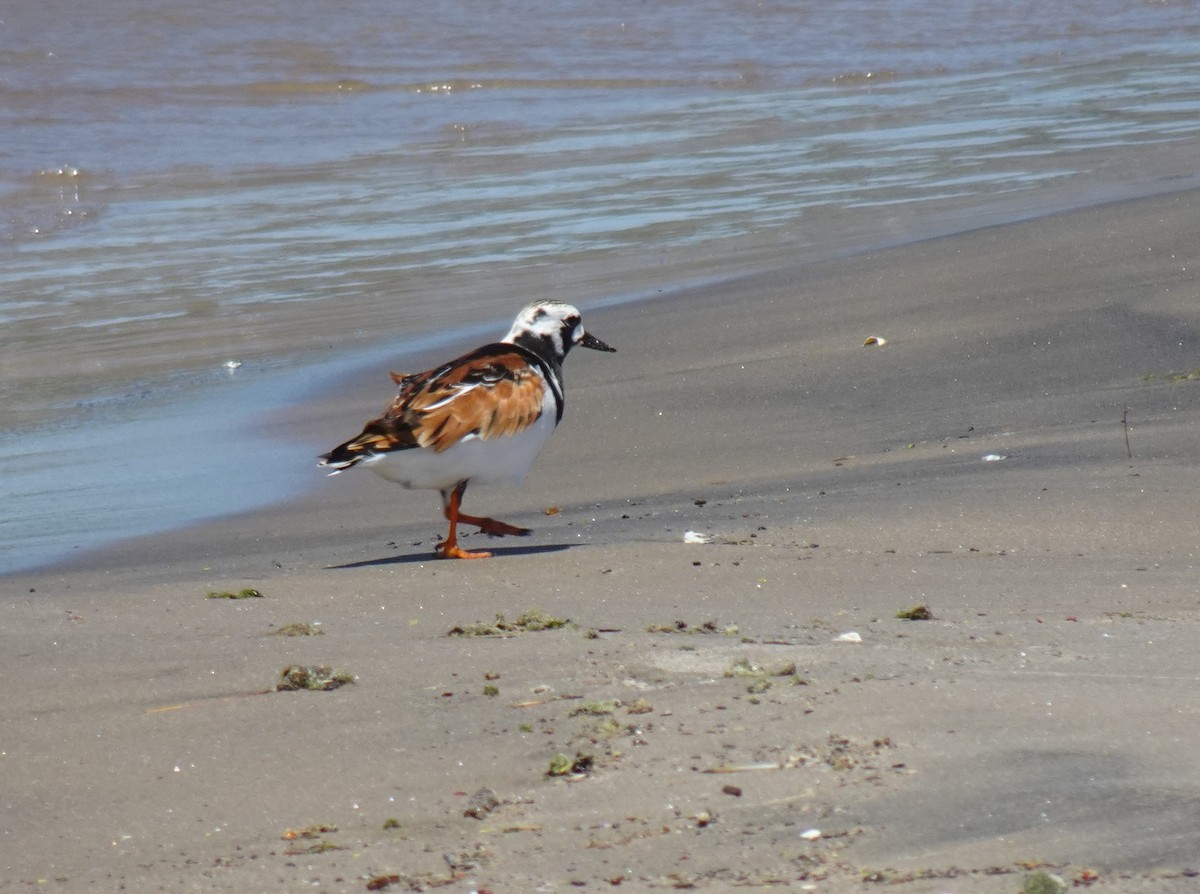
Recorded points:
(499, 460)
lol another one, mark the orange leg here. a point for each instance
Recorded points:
(449, 548)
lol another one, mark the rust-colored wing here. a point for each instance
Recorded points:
(492, 392)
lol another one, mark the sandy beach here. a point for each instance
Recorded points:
(1020, 457)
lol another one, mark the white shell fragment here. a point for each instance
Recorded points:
(875, 341)
(696, 537)
(811, 834)
(850, 636)
(994, 457)
(744, 768)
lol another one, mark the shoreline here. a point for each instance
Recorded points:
(1038, 722)
(349, 373)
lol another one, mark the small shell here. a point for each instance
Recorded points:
(994, 457)
(850, 636)
(811, 834)
(875, 341)
(696, 537)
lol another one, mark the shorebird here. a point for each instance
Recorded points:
(481, 418)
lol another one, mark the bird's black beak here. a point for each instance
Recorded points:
(590, 341)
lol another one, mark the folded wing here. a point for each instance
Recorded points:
(490, 393)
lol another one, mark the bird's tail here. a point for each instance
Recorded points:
(376, 439)
(342, 457)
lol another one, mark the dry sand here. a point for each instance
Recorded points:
(1046, 718)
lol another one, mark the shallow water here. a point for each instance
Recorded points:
(188, 184)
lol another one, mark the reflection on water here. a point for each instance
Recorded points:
(193, 183)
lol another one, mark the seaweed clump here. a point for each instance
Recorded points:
(708, 627)
(530, 622)
(1043, 883)
(561, 765)
(916, 613)
(247, 593)
(314, 677)
(300, 628)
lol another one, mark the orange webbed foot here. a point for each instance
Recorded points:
(454, 551)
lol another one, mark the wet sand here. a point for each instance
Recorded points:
(1042, 720)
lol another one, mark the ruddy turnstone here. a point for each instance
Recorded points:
(481, 418)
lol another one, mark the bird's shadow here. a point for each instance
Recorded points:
(422, 558)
